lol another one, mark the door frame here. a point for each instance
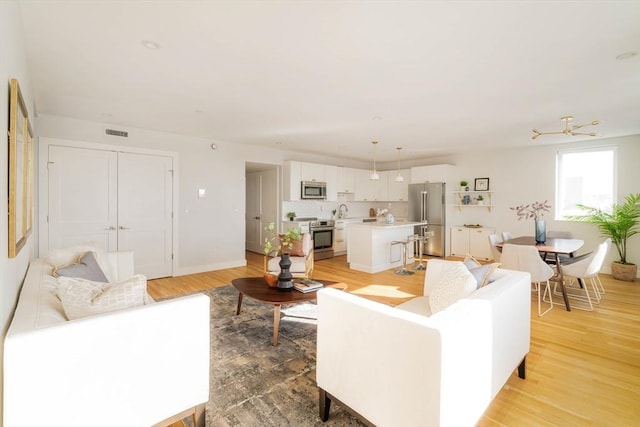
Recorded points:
(43, 188)
(257, 166)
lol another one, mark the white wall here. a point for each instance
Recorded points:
(13, 64)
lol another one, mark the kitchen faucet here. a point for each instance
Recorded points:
(342, 213)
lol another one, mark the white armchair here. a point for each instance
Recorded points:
(301, 264)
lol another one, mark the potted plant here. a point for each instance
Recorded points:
(480, 200)
(464, 185)
(620, 224)
(279, 245)
(291, 215)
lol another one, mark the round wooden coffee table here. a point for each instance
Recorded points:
(256, 288)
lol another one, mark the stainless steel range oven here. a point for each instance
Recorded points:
(322, 232)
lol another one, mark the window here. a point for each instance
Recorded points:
(584, 177)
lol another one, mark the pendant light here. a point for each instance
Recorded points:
(374, 175)
(399, 177)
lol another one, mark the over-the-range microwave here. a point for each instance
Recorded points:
(313, 190)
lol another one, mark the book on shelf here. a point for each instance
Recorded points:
(306, 285)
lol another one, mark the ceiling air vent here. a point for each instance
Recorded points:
(117, 133)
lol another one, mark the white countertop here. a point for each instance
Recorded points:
(383, 224)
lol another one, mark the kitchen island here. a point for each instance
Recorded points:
(369, 247)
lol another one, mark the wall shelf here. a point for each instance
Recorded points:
(473, 194)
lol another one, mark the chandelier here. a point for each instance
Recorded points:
(375, 176)
(568, 130)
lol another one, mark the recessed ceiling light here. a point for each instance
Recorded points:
(150, 44)
(627, 55)
(107, 115)
(376, 118)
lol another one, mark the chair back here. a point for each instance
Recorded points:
(598, 258)
(494, 239)
(526, 258)
(506, 235)
(559, 234)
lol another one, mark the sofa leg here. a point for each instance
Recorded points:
(521, 368)
(324, 403)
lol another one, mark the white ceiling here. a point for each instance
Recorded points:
(331, 76)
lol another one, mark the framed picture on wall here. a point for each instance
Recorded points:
(481, 184)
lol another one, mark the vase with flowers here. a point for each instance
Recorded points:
(535, 211)
(280, 245)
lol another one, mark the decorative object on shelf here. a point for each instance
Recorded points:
(620, 224)
(281, 245)
(375, 176)
(568, 131)
(472, 225)
(464, 185)
(466, 199)
(480, 200)
(399, 177)
(534, 211)
(481, 184)
(291, 215)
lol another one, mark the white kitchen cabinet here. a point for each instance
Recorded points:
(346, 180)
(398, 191)
(291, 180)
(312, 172)
(340, 238)
(473, 241)
(331, 178)
(381, 187)
(364, 191)
(432, 173)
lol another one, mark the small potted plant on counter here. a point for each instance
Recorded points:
(291, 215)
(464, 185)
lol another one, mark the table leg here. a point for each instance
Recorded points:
(276, 323)
(561, 282)
(239, 303)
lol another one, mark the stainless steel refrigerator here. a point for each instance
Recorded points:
(427, 203)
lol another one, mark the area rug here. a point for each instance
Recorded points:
(254, 383)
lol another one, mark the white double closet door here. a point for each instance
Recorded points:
(121, 201)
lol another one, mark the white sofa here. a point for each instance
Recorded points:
(402, 366)
(142, 366)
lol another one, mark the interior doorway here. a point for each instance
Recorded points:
(262, 202)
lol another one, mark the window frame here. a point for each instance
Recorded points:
(558, 212)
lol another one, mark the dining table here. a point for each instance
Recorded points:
(555, 246)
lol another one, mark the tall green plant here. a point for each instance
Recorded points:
(619, 225)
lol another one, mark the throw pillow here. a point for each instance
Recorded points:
(456, 282)
(296, 250)
(86, 268)
(481, 272)
(81, 298)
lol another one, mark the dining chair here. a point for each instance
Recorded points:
(587, 269)
(526, 258)
(506, 235)
(494, 239)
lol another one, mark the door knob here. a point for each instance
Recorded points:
(110, 228)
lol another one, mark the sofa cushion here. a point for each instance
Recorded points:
(481, 272)
(86, 268)
(81, 297)
(62, 257)
(456, 282)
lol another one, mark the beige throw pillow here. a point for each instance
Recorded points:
(455, 282)
(81, 297)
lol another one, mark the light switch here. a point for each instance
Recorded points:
(202, 192)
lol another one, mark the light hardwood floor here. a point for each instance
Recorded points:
(583, 368)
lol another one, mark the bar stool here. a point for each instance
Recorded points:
(421, 240)
(403, 271)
